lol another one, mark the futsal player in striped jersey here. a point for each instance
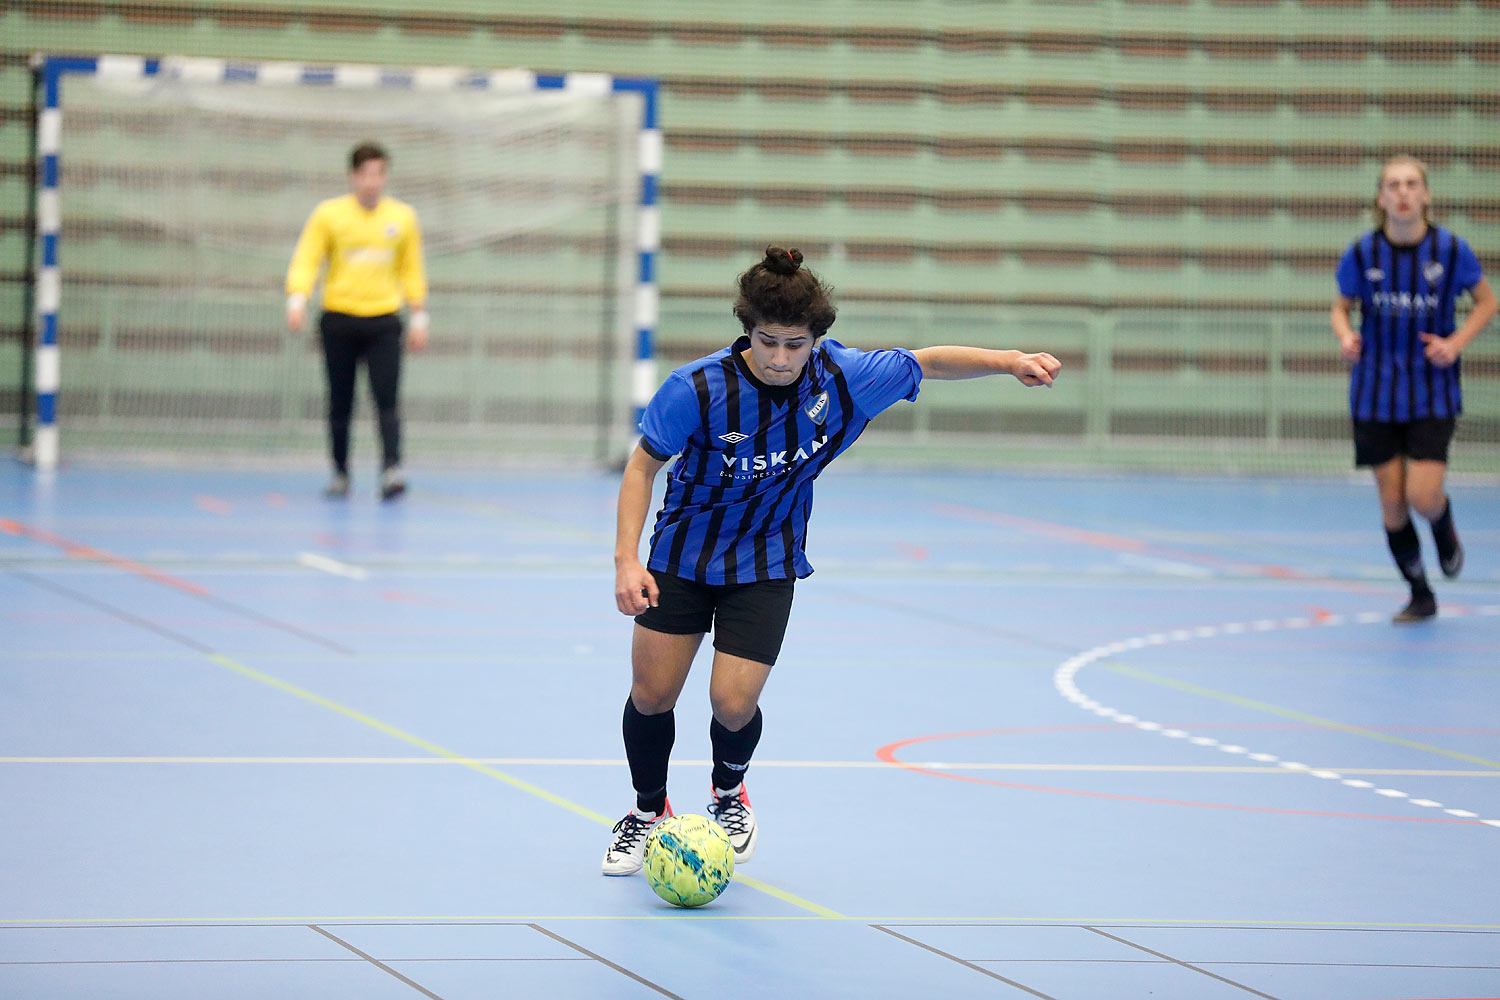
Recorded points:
(1405, 277)
(752, 425)
(373, 247)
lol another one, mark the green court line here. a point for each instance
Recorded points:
(474, 765)
(1288, 713)
(787, 897)
(405, 737)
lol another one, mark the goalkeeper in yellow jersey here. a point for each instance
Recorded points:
(373, 247)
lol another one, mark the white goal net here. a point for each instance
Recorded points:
(183, 191)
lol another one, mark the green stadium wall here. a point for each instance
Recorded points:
(1155, 191)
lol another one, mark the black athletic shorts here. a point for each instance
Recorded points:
(747, 619)
(1425, 440)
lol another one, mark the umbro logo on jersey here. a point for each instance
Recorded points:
(391, 231)
(818, 411)
(1433, 271)
(734, 437)
(1374, 274)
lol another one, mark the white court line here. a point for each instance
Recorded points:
(1063, 679)
(313, 560)
(933, 765)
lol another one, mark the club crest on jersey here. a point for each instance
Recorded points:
(1433, 271)
(391, 231)
(1374, 274)
(818, 411)
(734, 437)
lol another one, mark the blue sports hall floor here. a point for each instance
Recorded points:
(1064, 736)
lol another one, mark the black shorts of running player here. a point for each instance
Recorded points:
(747, 619)
(1426, 440)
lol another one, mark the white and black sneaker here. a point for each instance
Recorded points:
(627, 846)
(731, 810)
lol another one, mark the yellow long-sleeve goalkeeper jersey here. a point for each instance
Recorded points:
(374, 256)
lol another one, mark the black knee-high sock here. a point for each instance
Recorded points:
(648, 747)
(1444, 535)
(733, 750)
(1406, 549)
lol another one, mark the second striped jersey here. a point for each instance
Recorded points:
(1404, 291)
(740, 494)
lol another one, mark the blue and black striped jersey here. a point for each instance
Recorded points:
(739, 496)
(1404, 291)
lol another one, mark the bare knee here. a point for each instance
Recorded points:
(1394, 509)
(1392, 496)
(734, 712)
(1394, 513)
(659, 667)
(1428, 502)
(735, 695)
(653, 699)
(734, 689)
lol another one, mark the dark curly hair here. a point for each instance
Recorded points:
(780, 290)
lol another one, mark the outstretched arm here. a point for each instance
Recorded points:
(975, 362)
(635, 588)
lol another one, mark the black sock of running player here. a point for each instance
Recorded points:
(1444, 535)
(733, 750)
(648, 747)
(1406, 549)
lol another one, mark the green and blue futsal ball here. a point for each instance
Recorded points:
(689, 860)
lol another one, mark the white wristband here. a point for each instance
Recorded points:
(296, 300)
(419, 319)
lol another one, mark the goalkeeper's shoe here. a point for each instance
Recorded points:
(338, 486)
(392, 483)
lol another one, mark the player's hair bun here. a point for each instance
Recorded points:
(781, 261)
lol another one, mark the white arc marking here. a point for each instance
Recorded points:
(1063, 681)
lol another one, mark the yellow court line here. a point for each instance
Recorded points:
(787, 897)
(1288, 713)
(474, 765)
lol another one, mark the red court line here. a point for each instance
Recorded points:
(80, 551)
(887, 754)
(213, 505)
(1117, 543)
(1135, 546)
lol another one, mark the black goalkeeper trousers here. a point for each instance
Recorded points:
(377, 341)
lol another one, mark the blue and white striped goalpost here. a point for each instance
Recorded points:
(53, 69)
